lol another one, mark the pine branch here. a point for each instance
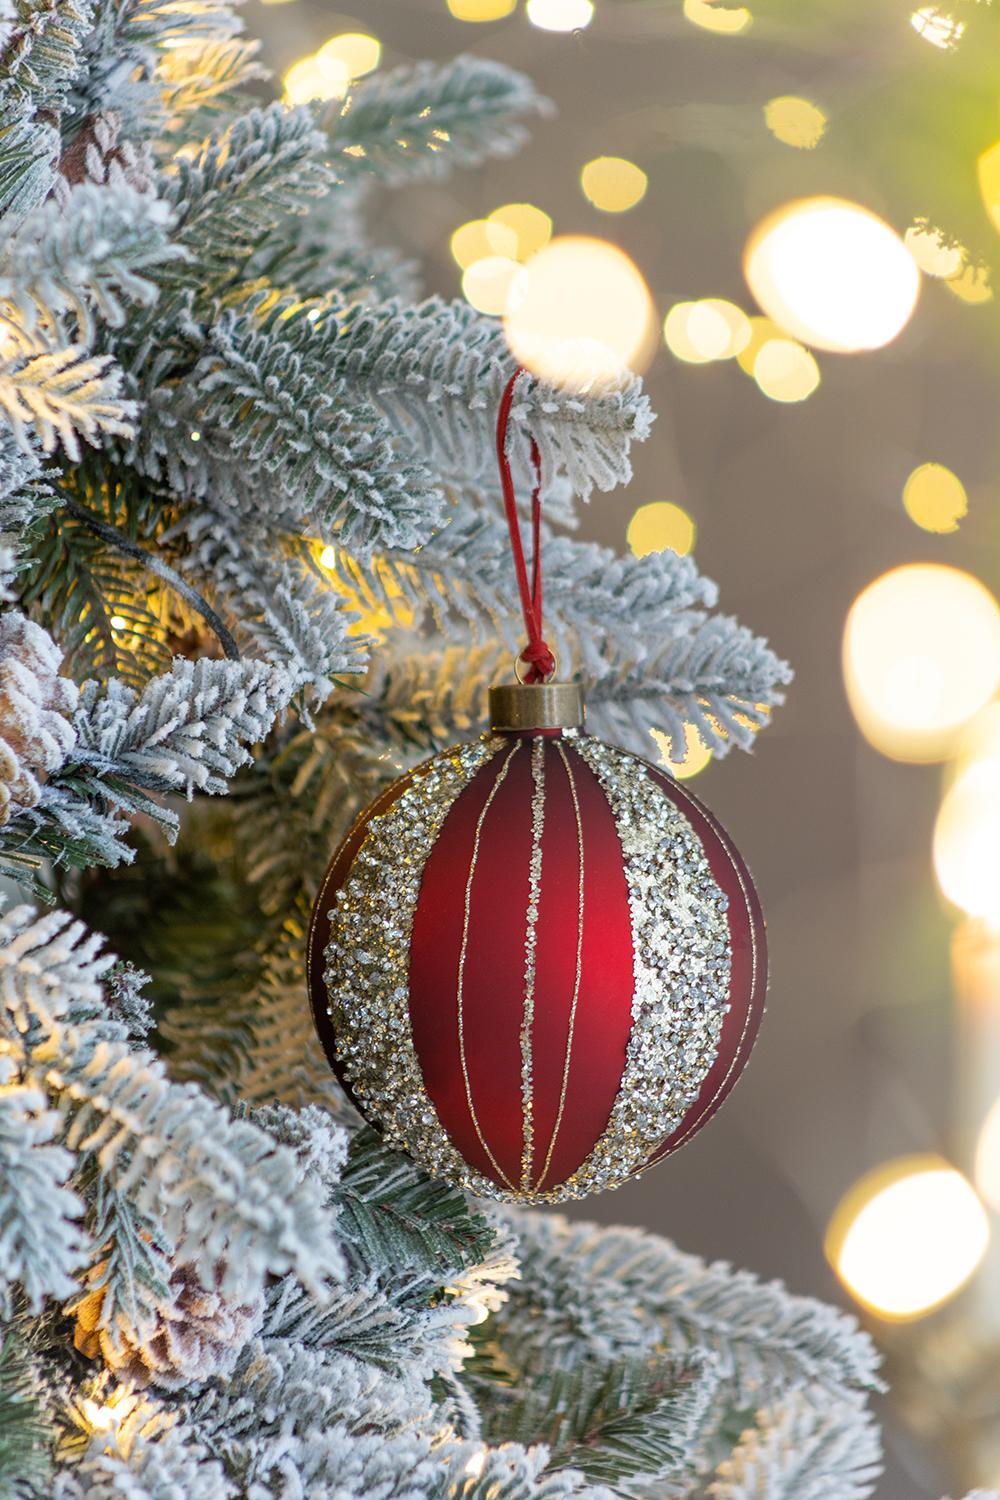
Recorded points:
(87, 256)
(803, 1453)
(128, 1283)
(62, 395)
(393, 1214)
(41, 1244)
(424, 120)
(25, 1436)
(436, 371)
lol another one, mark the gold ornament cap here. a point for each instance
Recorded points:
(536, 705)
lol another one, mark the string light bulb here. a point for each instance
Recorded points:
(832, 274)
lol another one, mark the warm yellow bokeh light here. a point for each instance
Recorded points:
(316, 77)
(932, 252)
(660, 527)
(710, 329)
(761, 329)
(979, 739)
(530, 226)
(832, 274)
(967, 841)
(481, 10)
(987, 1173)
(921, 656)
(613, 184)
(480, 238)
(908, 1236)
(795, 121)
(936, 27)
(696, 755)
(971, 285)
(328, 557)
(356, 50)
(728, 20)
(560, 15)
(785, 370)
(988, 173)
(487, 283)
(579, 312)
(934, 498)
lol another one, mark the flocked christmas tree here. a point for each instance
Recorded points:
(214, 1281)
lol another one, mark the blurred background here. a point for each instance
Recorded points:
(827, 389)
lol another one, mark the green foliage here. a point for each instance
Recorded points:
(393, 1214)
(25, 1433)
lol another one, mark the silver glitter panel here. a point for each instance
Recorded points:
(368, 960)
(681, 968)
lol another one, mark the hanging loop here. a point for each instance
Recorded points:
(537, 654)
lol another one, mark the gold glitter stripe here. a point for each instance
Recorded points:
(579, 969)
(530, 954)
(754, 963)
(462, 956)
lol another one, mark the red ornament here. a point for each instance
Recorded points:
(537, 962)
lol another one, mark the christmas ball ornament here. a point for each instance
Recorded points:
(536, 961)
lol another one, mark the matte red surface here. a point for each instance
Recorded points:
(494, 976)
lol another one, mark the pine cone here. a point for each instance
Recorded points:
(36, 704)
(199, 1333)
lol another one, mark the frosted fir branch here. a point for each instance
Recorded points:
(801, 1452)
(593, 596)
(163, 1467)
(204, 78)
(25, 1435)
(283, 604)
(331, 462)
(239, 187)
(437, 371)
(61, 396)
(220, 1190)
(761, 1336)
(717, 677)
(127, 1285)
(41, 1243)
(87, 256)
(189, 730)
(423, 120)
(41, 53)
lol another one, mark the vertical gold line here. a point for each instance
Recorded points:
(462, 956)
(530, 953)
(579, 969)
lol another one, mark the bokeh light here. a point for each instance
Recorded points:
(487, 283)
(967, 841)
(482, 237)
(908, 1236)
(725, 19)
(971, 285)
(934, 498)
(761, 329)
(659, 527)
(795, 121)
(936, 26)
(987, 1171)
(921, 656)
(579, 312)
(481, 10)
(316, 77)
(613, 184)
(832, 274)
(932, 252)
(988, 174)
(785, 370)
(696, 754)
(709, 329)
(356, 50)
(560, 15)
(530, 226)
